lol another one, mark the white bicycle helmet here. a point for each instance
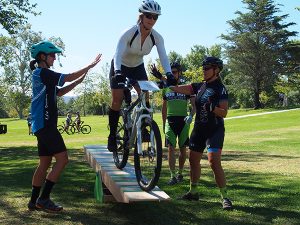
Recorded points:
(150, 6)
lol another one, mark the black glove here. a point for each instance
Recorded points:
(119, 79)
(209, 106)
(161, 84)
(155, 72)
(171, 81)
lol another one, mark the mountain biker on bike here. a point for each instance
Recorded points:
(77, 121)
(176, 122)
(211, 107)
(45, 83)
(68, 121)
(128, 61)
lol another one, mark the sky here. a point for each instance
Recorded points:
(94, 26)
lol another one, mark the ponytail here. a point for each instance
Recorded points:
(140, 18)
(32, 64)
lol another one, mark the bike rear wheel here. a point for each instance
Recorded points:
(121, 155)
(148, 164)
(86, 129)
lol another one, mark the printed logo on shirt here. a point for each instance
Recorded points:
(224, 92)
(177, 96)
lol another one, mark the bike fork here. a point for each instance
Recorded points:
(139, 132)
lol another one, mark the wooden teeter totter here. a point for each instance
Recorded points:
(121, 184)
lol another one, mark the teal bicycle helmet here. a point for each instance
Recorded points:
(45, 47)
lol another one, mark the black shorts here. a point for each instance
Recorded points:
(202, 137)
(177, 128)
(133, 73)
(50, 142)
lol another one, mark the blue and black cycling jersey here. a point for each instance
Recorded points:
(43, 104)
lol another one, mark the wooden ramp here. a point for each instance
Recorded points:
(121, 183)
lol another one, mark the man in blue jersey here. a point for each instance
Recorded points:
(45, 83)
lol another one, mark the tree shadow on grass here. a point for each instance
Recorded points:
(254, 156)
(258, 196)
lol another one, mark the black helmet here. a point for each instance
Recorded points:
(176, 65)
(213, 61)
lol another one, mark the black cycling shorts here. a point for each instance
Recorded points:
(202, 137)
(176, 127)
(133, 73)
(50, 142)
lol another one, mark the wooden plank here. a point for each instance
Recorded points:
(121, 183)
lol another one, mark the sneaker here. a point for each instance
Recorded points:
(31, 206)
(179, 177)
(227, 205)
(172, 181)
(190, 196)
(112, 143)
(48, 205)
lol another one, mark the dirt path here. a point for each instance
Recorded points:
(259, 114)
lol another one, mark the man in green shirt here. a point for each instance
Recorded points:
(176, 124)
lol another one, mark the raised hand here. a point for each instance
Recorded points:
(155, 72)
(95, 62)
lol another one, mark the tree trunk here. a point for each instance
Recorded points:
(84, 104)
(257, 103)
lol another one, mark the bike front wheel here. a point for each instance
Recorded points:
(60, 129)
(86, 129)
(121, 155)
(148, 163)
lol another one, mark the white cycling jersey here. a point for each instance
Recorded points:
(132, 55)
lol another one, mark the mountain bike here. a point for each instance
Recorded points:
(136, 118)
(62, 128)
(85, 129)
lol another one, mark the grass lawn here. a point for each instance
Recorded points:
(261, 159)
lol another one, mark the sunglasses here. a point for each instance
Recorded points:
(51, 55)
(205, 68)
(151, 16)
(174, 71)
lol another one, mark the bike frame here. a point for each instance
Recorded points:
(137, 112)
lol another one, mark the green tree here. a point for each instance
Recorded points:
(103, 89)
(257, 49)
(84, 91)
(289, 82)
(13, 14)
(62, 106)
(94, 95)
(193, 60)
(14, 60)
(3, 110)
